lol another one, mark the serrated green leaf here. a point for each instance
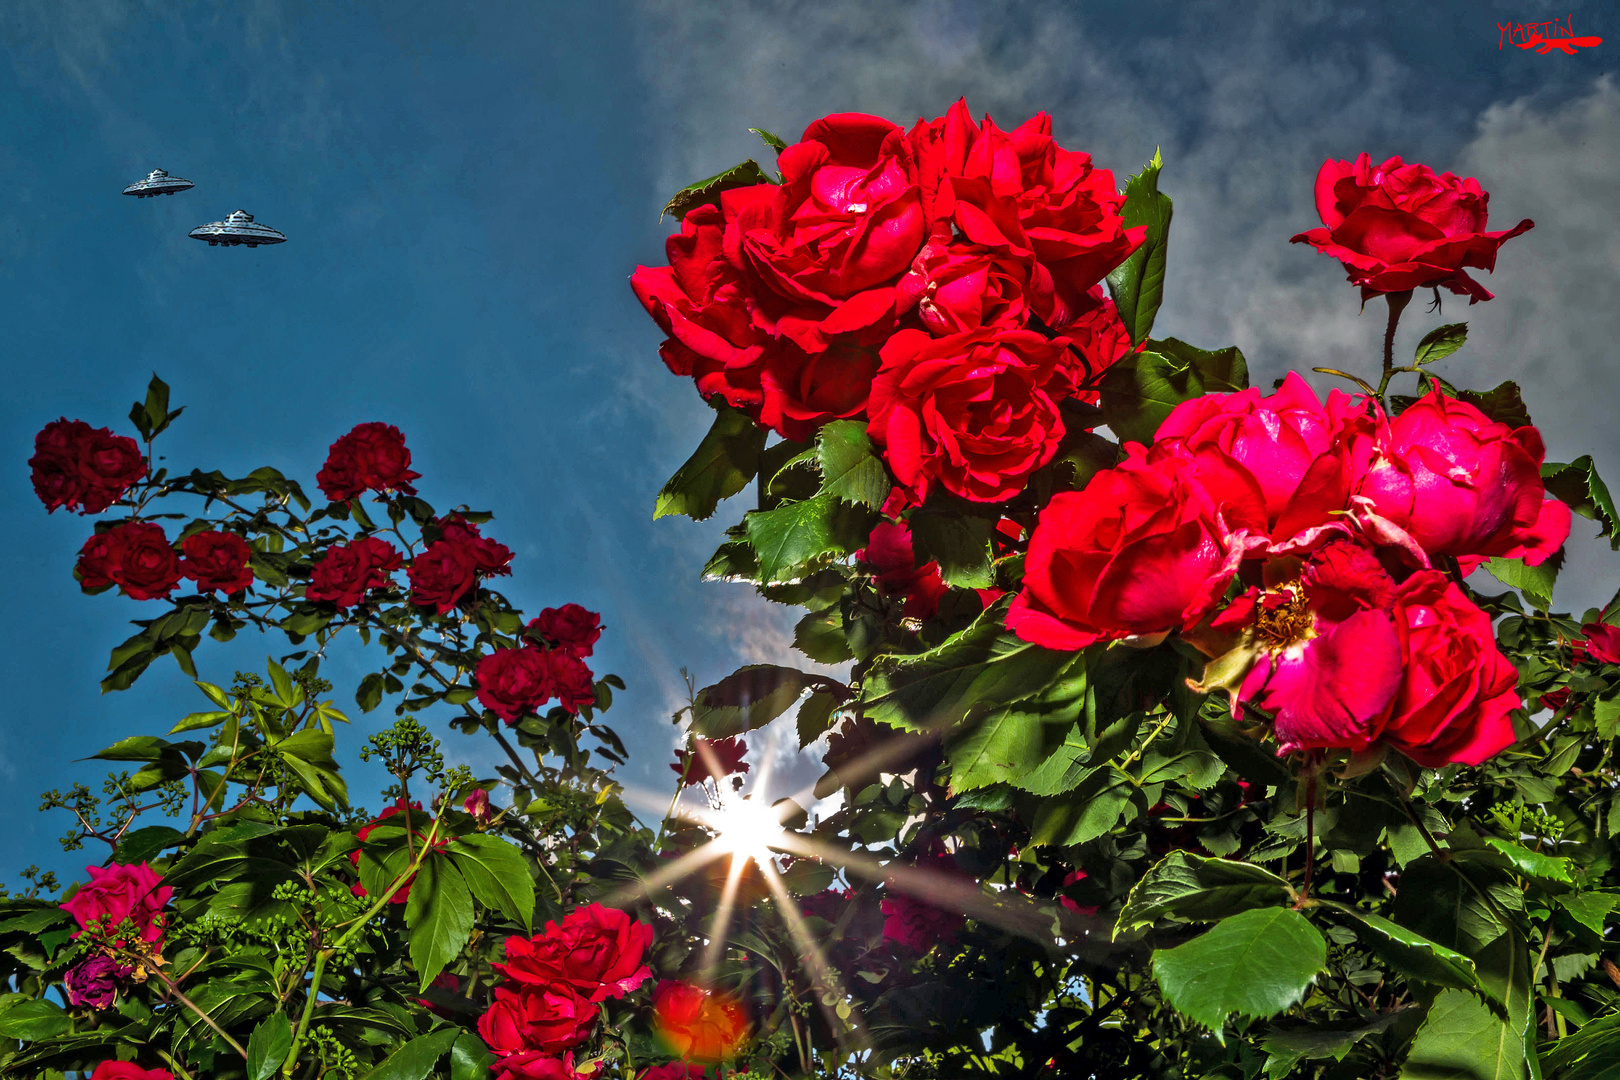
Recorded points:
(1504, 404)
(370, 692)
(1255, 963)
(1579, 486)
(723, 464)
(1195, 889)
(788, 538)
(850, 469)
(1440, 343)
(1137, 284)
(415, 1060)
(749, 698)
(1409, 952)
(1141, 389)
(268, 1045)
(1093, 808)
(814, 717)
(1533, 863)
(708, 191)
(820, 636)
(1535, 582)
(439, 917)
(1590, 909)
(1462, 1039)
(200, 720)
(143, 845)
(959, 543)
(773, 141)
(134, 748)
(497, 875)
(32, 1021)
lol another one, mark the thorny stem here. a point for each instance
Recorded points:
(1397, 304)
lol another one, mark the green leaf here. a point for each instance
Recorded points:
(959, 543)
(820, 636)
(1285, 1049)
(370, 693)
(439, 916)
(1590, 909)
(1409, 952)
(1535, 582)
(723, 464)
(1090, 810)
(268, 1045)
(982, 665)
(143, 845)
(415, 1060)
(705, 192)
(1580, 487)
(1195, 889)
(749, 698)
(850, 470)
(787, 538)
(497, 875)
(1533, 863)
(1462, 1039)
(1000, 746)
(773, 141)
(200, 720)
(1255, 963)
(814, 717)
(1137, 284)
(1440, 343)
(134, 748)
(1592, 1053)
(1502, 404)
(1141, 389)
(32, 1021)
(1442, 902)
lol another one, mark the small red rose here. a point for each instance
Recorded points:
(136, 555)
(347, 572)
(217, 561)
(570, 628)
(372, 457)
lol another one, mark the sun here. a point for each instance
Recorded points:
(746, 828)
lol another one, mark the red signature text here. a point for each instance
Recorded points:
(1544, 37)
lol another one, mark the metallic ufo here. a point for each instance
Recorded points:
(237, 229)
(158, 182)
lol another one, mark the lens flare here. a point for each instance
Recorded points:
(746, 828)
(696, 1024)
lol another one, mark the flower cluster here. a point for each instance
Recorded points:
(1333, 524)
(372, 457)
(555, 983)
(121, 909)
(1398, 227)
(83, 468)
(513, 683)
(941, 283)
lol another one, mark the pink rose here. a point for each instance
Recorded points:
(128, 1070)
(673, 1070)
(1276, 461)
(1140, 551)
(477, 804)
(1398, 227)
(1461, 484)
(118, 892)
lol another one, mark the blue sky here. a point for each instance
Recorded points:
(467, 188)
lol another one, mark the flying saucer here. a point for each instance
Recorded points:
(158, 182)
(237, 229)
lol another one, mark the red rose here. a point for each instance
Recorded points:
(1457, 690)
(546, 1020)
(135, 555)
(443, 574)
(975, 413)
(217, 560)
(515, 682)
(571, 680)
(128, 1070)
(119, 892)
(597, 951)
(1020, 193)
(1277, 462)
(534, 1065)
(1398, 227)
(347, 572)
(1100, 339)
(372, 457)
(1079, 909)
(696, 1024)
(957, 287)
(1461, 484)
(1601, 643)
(823, 252)
(477, 804)
(570, 628)
(403, 893)
(1140, 551)
(75, 465)
(455, 527)
(711, 757)
(917, 924)
(894, 566)
(1555, 699)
